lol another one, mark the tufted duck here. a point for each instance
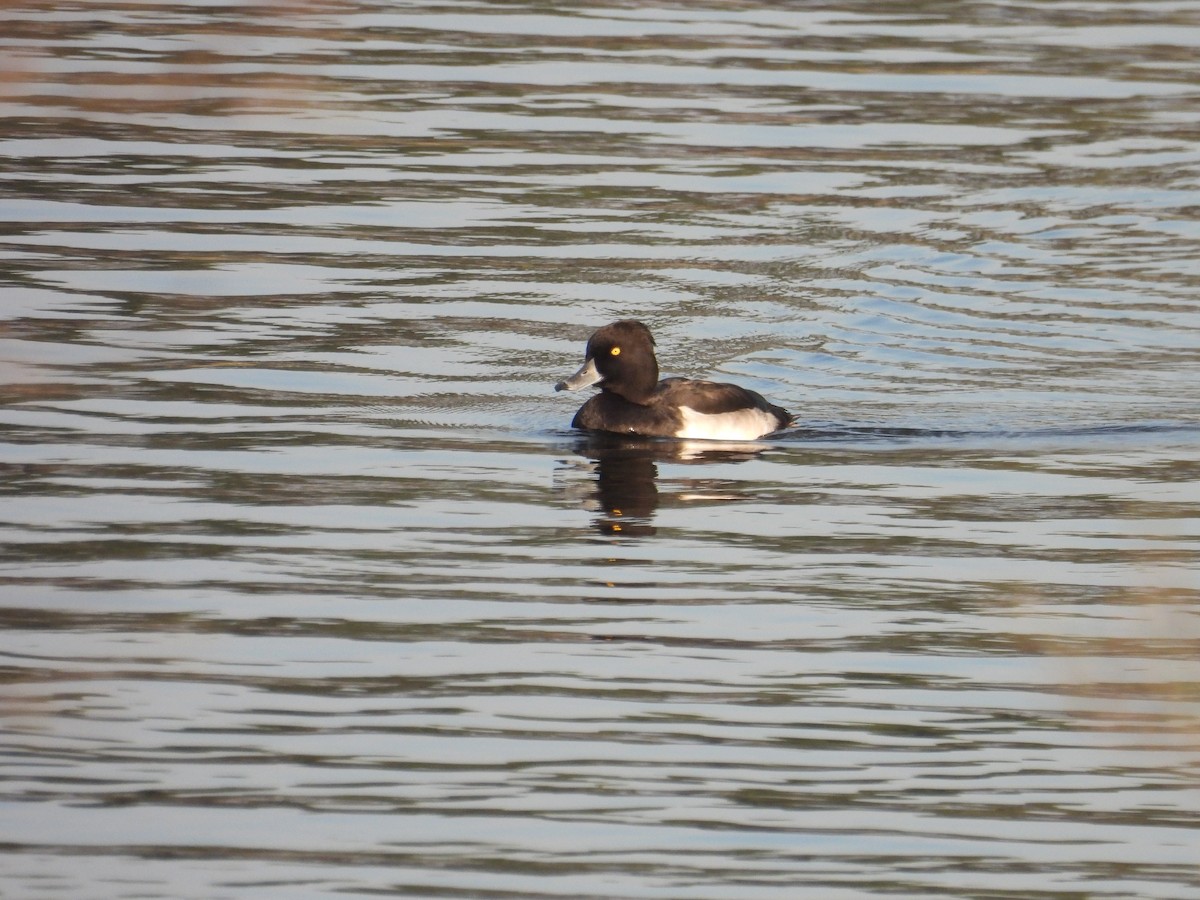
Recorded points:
(620, 358)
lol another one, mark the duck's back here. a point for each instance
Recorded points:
(719, 411)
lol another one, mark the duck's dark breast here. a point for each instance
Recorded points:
(610, 412)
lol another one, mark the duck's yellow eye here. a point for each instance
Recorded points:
(615, 351)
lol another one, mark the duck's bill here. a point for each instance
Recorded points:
(586, 375)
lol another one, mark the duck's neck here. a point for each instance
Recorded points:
(637, 389)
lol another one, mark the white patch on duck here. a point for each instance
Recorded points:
(739, 425)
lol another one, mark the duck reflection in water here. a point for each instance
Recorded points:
(626, 492)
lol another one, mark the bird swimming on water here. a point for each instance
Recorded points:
(620, 358)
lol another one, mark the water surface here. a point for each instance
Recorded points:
(309, 591)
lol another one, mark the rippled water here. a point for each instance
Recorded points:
(308, 590)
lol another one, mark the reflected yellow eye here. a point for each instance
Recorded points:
(615, 351)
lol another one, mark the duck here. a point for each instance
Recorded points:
(632, 401)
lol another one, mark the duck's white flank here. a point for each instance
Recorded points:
(741, 425)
